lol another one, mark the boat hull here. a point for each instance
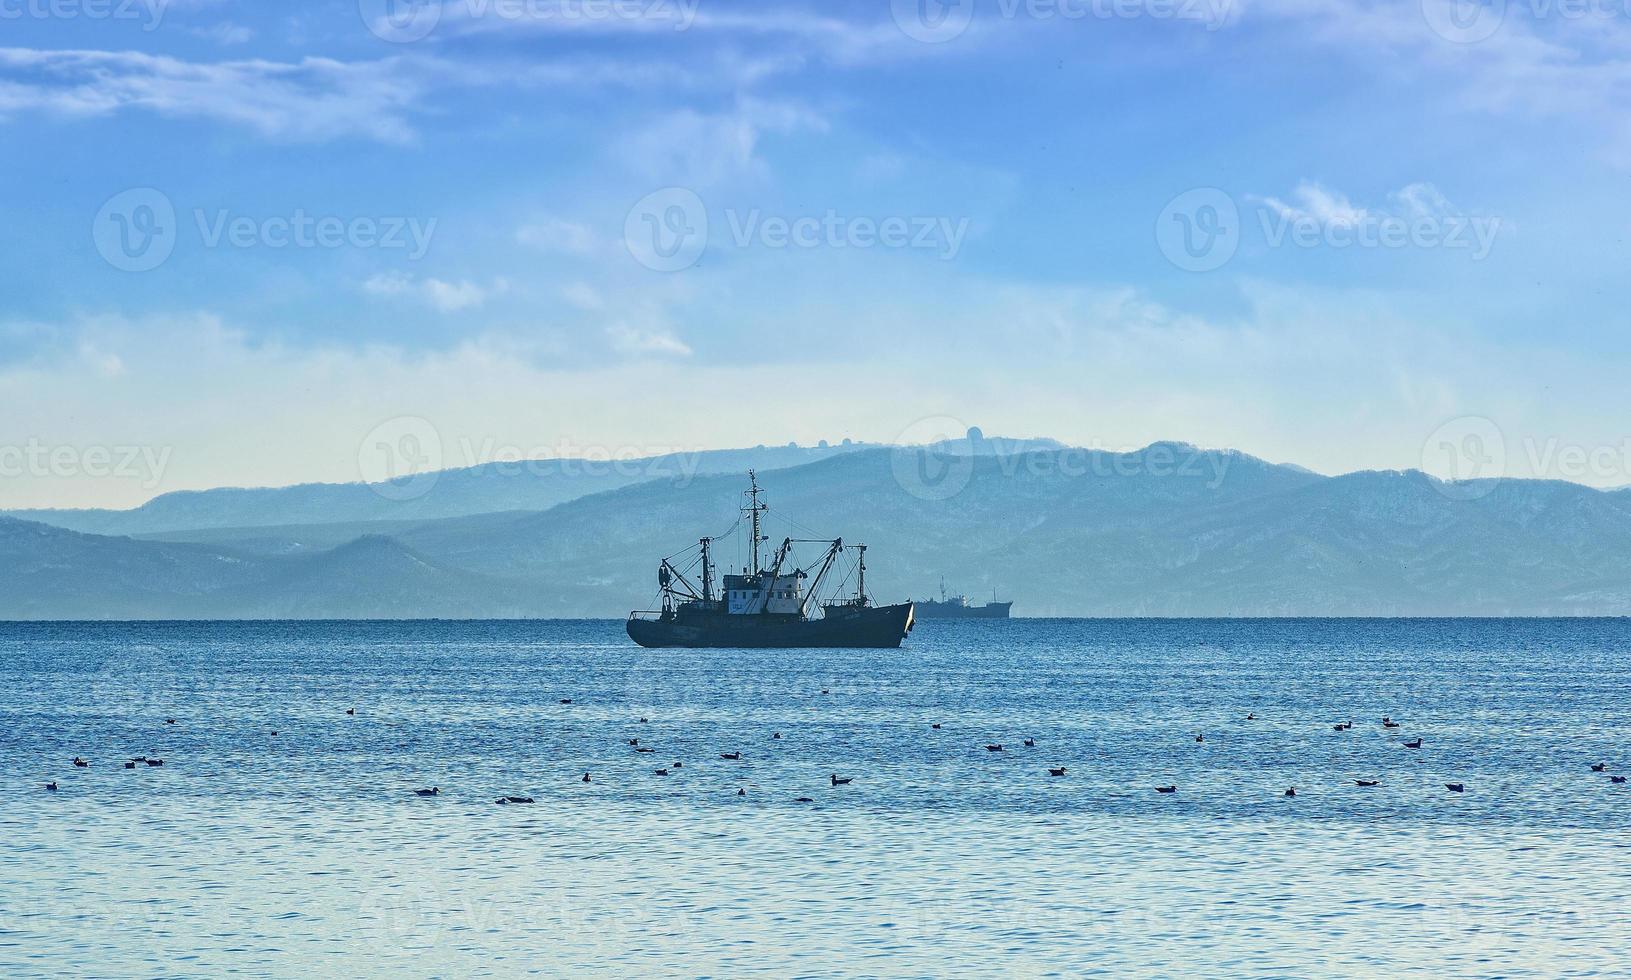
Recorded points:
(873, 627)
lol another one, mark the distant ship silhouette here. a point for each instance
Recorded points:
(958, 607)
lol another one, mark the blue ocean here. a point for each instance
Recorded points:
(282, 835)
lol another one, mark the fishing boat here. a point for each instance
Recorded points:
(768, 604)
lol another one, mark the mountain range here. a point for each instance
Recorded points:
(1166, 531)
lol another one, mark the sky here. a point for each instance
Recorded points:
(252, 244)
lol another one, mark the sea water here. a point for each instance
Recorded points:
(282, 835)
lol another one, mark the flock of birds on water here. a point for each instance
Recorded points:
(835, 780)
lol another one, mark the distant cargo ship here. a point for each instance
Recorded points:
(958, 607)
(766, 605)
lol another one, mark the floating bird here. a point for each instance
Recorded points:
(634, 741)
(130, 765)
(1390, 724)
(586, 777)
(1600, 767)
(1367, 782)
(52, 787)
(823, 690)
(1454, 787)
(274, 732)
(1199, 739)
(660, 772)
(1616, 779)
(1251, 716)
(566, 700)
(993, 748)
(935, 726)
(513, 799)
(1413, 745)
(1057, 772)
(81, 763)
(155, 762)
(433, 791)
(679, 765)
(841, 782)
(741, 792)
(169, 721)
(804, 799)
(138, 758)
(1030, 743)
(733, 756)
(775, 734)
(642, 721)
(1166, 789)
(1291, 791)
(1342, 726)
(645, 748)
(351, 711)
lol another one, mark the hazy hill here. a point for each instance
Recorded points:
(1060, 532)
(53, 573)
(532, 485)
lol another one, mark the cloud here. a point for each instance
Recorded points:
(310, 100)
(639, 343)
(699, 150)
(225, 33)
(559, 235)
(446, 297)
(1315, 203)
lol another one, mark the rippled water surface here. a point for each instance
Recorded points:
(305, 852)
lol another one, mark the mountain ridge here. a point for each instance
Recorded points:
(1062, 532)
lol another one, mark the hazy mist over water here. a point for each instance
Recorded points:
(306, 851)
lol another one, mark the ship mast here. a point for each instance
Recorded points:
(707, 571)
(755, 509)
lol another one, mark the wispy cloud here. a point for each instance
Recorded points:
(439, 294)
(313, 99)
(637, 342)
